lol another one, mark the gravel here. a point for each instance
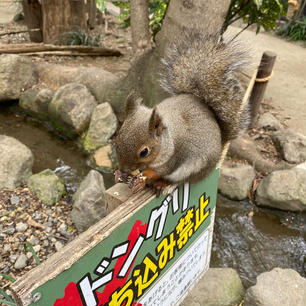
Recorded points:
(23, 218)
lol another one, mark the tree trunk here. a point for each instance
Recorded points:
(33, 19)
(62, 16)
(141, 36)
(92, 11)
(208, 16)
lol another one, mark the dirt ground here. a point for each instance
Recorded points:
(286, 91)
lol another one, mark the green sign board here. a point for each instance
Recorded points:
(149, 257)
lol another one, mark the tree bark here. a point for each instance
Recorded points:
(141, 36)
(33, 19)
(92, 11)
(62, 16)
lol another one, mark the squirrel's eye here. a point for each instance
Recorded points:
(144, 152)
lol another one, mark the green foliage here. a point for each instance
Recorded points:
(29, 246)
(7, 299)
(294, 29)
(80, 38)
(157, 12)
(263, 13)
(101, 5)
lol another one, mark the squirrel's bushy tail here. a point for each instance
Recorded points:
(205, 66)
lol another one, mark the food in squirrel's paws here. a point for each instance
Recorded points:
(135, 180)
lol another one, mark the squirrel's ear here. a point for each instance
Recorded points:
(155, 124)
(132, 102)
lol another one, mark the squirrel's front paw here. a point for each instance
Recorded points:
(159, 185)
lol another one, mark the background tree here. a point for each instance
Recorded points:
(33, 19)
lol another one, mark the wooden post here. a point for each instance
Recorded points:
(263, 75)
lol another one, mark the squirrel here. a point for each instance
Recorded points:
(181, 139)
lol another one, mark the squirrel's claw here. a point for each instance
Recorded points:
(158, 186)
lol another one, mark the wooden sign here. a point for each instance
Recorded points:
(149, 251)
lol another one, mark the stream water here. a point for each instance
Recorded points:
(250, 245)
(50, 149)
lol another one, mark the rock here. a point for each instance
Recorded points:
(62, 228)
(218, 287)
(47, 186)
(13, 258)
(14, 200)
(102, 157)
(89, 201)
(58, 246)
(277, 287)
(97, 80)
(283, 189)
(235, 180)
(10, 231)
(103, 125)
(16, 74)
(72, 107)
(36, 102)
(16, 162)
(269, 122)
(21, 262)
(291, 145)
(37, 248)
(21, 227)
(7, 248)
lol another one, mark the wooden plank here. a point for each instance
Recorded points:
(49, 284)
(116, 195)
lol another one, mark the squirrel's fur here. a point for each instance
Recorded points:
(182, 138)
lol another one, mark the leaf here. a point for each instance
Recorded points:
(6, 296)
(30, 247)
(7, 302)
(8, 277)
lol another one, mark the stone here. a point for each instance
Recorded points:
(291, 145)
(217, 287)
(277, 287)
(21, 227)
(58, 246)
(269, 122)
(13, 258)
(89, 202)
(71, 108)
(14, 200)
(7, 248)
(102, 157)
(283, 189)
(16, 162)
(17, 73)
(10, 231)
(21, 262)
(62, 228)
(35, 102)
(235, 180)
(47, 186)
(103, 125)
(97, 80)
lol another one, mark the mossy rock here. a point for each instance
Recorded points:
(47, 186)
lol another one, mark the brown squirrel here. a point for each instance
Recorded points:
(182, 138)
